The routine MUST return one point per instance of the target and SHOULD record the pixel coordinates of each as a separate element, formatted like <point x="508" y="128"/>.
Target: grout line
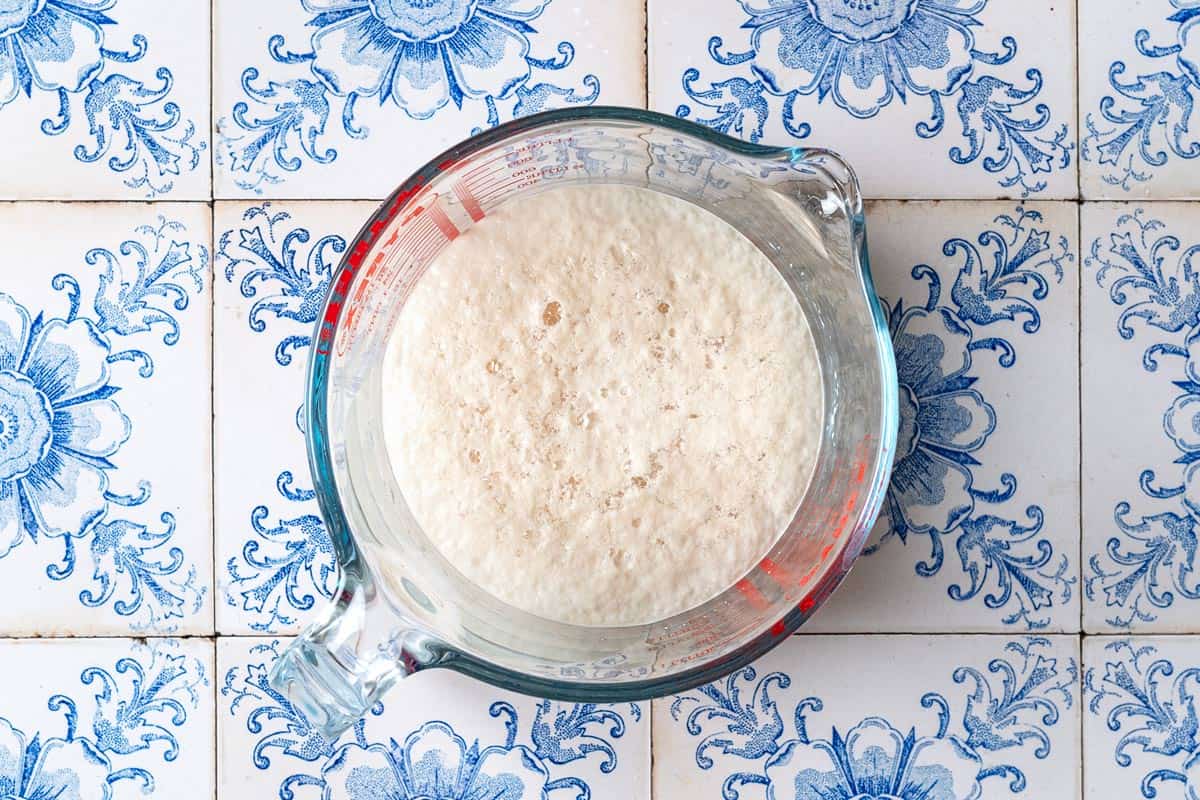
<point x="1082" y="715"/>
<point x="216" y="749"/>
<point x="1079" y="116"/>
<point x="650" y="726"/>
<point x="646" y="55"/>
<point x="212" y="406"/>
<point x="212" y="101"/>
<point x="1079" y="488"/>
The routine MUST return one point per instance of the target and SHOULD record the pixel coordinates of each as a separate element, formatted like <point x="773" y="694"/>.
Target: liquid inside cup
<point x="603" y="405"/>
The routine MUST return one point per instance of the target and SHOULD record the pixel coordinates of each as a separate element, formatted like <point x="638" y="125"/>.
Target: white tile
<point x="115" y="104"/>
<point x="980" y="530"/>
<point x="880" y="716"/>
<point x="106" y="517"/>
<point x="291" y="125"/>
<point x="102" y="718"/>
<point x="275" y="566"/>
<point x="1140" y="298"/>
<point x="438" y="734"/>
<point x="1139" y="90"/>
<point x="946" y="99"/>
<point x="1139" y="729"/>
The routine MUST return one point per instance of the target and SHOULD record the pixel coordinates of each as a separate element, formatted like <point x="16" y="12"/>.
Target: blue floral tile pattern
<point x="979" y="298"/>
<point x="1141" y="313"/>
<point x="338" y="81"/>
<point x="274" y="263"/>
<point x="1140" y="85"/>
<point x="486" y="744"/>
<point x="825" y="717"/>
<point x="1140" y="724"/>
<point x="1046" y="476"/>
<point x="106" y="96"/>
<point x="976" y="90"/>
<point x="106" y="718"/>
<point x="91" y="517"/>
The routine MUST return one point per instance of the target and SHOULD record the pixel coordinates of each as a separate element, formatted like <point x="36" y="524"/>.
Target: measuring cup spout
<point x="337" y="670"/>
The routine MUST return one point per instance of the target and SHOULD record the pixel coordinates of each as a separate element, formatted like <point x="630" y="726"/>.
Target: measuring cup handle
<point x="339" y="668"/>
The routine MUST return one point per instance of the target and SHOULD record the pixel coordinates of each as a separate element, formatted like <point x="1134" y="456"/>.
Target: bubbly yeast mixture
<point x="603" y="404"/>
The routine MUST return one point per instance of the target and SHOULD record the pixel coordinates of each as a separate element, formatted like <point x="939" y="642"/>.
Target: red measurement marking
<point x="751" y="593"/>
<point x="778" y="574"/>
<point x="806" y="605"/>
<point x="862" y="472"/>
<point x="445" y="225"/>
<point x="468" y="201"/>
<point x="778" y="629"/>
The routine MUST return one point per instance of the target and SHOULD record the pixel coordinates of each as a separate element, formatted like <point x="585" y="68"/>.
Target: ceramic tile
<point x="107" y="718"/>
<point x="1139" y="89"/>
<point x="831" y="716"/>
<point x="436" y="734"/>
<point x="1139" y="319"/>
<point x="275" y="565"/>
<point x="327" y="100"/>
<point x="971" y="98"/>
<point x="975" y="534"/>
<point x="1139" y="729"/>
<point x="104" y="100"/>
<point x="105" y="507"/>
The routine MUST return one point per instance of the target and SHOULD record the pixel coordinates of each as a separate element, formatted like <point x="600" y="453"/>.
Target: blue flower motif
<point x="942" y="421"/>
<point x="742" y="724"/>
<point x="945" y="420"/>
<point x="53" y="44"/>
<point x="1181" y="423"/>
<point x="874" y="762"/>
<point x="864" y="52"/>
<point x="433" y="761"/>
<point x="58" y="425"/>
<point x="38" y="769"/>
<point x="421" y="54"/>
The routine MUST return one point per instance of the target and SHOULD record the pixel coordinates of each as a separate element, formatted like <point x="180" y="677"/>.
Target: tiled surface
<point x="100" y="718"/>
<point x="321" y="127"/>
<point x="275" y="565"/>
<point x="1139" y="295"/>
<point x="938" y="717"/>
<point x="1138" y="726"/>
<point x="974" y="99"/>
<point x="105" y="100"/>
<point x="106" y="310"/>
<point x="982" y="300"/>
<point x="1043" y="484"/>
<point x="486" y="743"/>
<point x="1139" y="85"/>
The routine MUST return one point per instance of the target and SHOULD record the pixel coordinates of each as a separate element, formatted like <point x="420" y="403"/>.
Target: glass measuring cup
<point x="400" y="605"/>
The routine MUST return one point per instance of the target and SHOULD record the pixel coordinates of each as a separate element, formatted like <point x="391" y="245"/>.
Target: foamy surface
<point x="602" y="404"/>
